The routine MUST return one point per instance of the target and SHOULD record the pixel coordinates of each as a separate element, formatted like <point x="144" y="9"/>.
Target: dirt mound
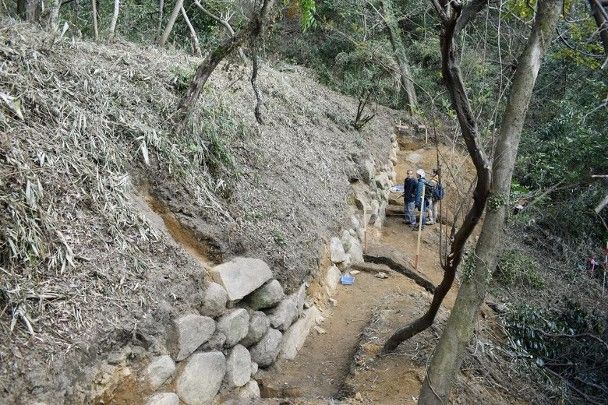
<point x="86" y="132"/>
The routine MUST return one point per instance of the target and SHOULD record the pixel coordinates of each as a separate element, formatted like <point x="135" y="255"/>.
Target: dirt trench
<point x="328" y="366"/>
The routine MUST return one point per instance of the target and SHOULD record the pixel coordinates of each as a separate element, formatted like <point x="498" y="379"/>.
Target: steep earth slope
<point x="109" y="217"/>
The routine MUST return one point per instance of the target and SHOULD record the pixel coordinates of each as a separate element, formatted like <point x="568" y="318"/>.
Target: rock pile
<point x="244" y="321"/>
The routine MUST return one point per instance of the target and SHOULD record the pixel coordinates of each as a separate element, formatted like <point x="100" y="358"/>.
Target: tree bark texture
<point x="169" y="27"/>
<point x="161" y="6"/>
<point x="408" y="90"/>
<point x="51" y="15"/>
<point x="28" y="10"/>
<point x="458" y="332"/>
<point x="114" y="18"/>
<point x="460" y="102"/>
<point x="94" y="12"/>
<point x="211" y="61"/>
<point x="601" y="20"/>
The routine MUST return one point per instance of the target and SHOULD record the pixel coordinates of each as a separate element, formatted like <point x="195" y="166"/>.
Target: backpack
<point x="438" y="192"/>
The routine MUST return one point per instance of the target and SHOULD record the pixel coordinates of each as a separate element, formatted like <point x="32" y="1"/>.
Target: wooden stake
<point x="364" y="232"/>
<point x="420" y="226"/>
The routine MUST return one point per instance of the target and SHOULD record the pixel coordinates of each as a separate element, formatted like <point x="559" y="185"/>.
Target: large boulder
<point x="214" y="299"/>
<point x="296" y="335"/>
<point x="332" y="278"/>
<point x="202" y="378"/>
<point x="265" y="352"/>
<point x="282" y="316"/>
<point x="241" y="276"/>
<point x="238" y="367"/>
<point x="352" y="246"/>
<point x="258" y="326"/>
<point x="234" y="326"/>
<point x="163" y="398"/>
<point x="267" y="296"/>
<point x="187" y="333"/>
<point x="366" y="168"/>
<point x="159" y="370"/>
<point x="336" y="249"/>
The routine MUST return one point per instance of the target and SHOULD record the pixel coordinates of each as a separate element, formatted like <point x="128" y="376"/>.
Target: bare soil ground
<point x="345" y="363"/>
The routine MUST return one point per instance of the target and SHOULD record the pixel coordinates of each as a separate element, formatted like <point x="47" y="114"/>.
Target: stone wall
<point x="243" y="320"/>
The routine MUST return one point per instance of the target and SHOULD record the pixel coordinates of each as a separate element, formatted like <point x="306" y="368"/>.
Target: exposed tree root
<point x="403" y="269"/>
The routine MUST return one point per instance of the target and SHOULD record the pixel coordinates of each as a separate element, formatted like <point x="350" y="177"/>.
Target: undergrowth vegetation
<point x="516" y="267"/>
<point x="568" y="341"/>
<point x="88" y="154"/>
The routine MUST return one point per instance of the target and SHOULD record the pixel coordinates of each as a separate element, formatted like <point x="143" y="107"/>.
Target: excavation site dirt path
<point x="330" y="363"/>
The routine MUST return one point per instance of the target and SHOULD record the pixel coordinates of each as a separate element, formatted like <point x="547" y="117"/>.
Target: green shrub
<point x="517" y="268"/>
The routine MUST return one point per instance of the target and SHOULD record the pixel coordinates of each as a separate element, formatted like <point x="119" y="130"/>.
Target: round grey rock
<point x="159" y="370"/>
<point x="234" y="325"/>
<point x="267" y="296"/>
<point x="258" y="326"/>
<point x="265" y="352"/>
<point x="238" y="367"/>
<point x="214" y="300"/>
<point x="188" y="333"/>
<point x="202" y="378"/>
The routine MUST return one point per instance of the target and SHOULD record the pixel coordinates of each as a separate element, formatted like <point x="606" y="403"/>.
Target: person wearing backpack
<point x="409" y="198"/>
<point x="437" y="193"/>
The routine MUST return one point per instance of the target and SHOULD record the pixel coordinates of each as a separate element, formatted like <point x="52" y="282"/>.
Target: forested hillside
<point x="146" y="144"/>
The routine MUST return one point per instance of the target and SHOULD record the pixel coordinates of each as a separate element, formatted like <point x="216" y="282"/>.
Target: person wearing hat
<point x="421" y="205"/>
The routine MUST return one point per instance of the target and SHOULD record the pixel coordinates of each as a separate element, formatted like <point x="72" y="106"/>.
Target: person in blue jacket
<point x="410" y="185"/>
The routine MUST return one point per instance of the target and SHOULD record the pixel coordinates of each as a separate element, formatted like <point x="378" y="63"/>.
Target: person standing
<point x="436" y="195"/>
<point x="409" y="198"/>
<point x="420" y="204"/>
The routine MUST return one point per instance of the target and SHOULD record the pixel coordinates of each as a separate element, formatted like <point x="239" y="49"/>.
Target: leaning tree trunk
<point x="470" y="133"/>
<point x="224" y="23"/>
<point x="408" y="91"/>
<point x="211" y="61"/>
<point x="193" y="35"/>
<point x="458" y="332"/>
<point x="114" y="18"/>
<point x="169" y="27"/>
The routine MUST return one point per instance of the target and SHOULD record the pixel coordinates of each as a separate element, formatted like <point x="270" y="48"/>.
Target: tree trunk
<point x="95" y="27"/>
<point x="211" y="61"/>
<point x="114" y="18"/>
<point x="161" y="6"/>
<point x="51" y="15"/>
<point x="601" y="20"/>
<point x="169" y="27"/>
<point x="32" y="10"/>
<point x="458" y="332"/>
<point x="22" y="9"/>
<point x="408" y="91"/>
<point x="193" y="34"/>
<point x="470" y="133"/>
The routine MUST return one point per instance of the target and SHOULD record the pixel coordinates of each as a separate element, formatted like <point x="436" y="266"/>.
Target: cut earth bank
<point x="130" y="218"/>
<point x="242" y="320"/>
